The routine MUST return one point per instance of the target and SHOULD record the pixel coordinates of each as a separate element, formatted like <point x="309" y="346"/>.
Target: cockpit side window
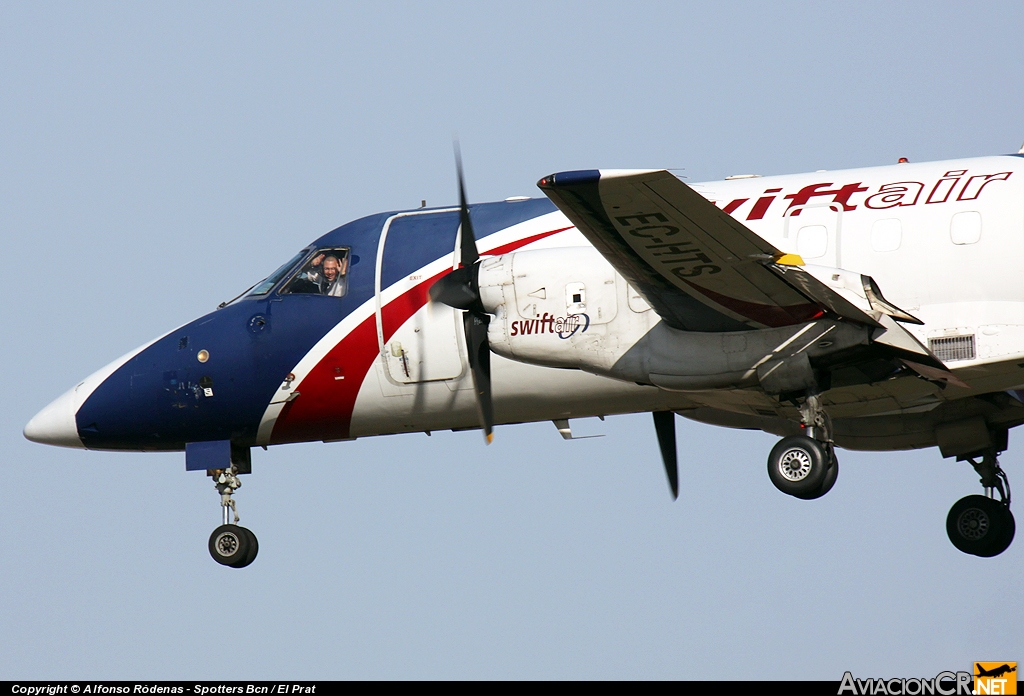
<point x="325" y="273"/>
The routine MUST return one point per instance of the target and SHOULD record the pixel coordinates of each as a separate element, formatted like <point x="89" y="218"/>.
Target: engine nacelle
<point x="568" y="308"/>
<point x="563" y="307"/>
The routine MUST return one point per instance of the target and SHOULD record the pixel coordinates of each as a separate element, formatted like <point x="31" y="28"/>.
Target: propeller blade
<point x="480" y="366"/>
<point x="468" y="254"/>
<point x="458" y="289"/>
<point x="665" y="427"/>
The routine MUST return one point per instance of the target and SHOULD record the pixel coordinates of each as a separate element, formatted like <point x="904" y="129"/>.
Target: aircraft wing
<point x="698" y="267"/>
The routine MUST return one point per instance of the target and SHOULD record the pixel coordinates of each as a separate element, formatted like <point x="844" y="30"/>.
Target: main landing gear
<point x="981" y="525"/>
<point x="805" y="466"/>
<point x="230" y="544"/>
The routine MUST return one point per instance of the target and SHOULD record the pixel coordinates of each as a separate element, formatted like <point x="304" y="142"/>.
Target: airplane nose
<point x="55" y="424"/>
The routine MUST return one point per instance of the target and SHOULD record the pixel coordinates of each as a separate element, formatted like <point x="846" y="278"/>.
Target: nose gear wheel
<point x="230" y="544"/>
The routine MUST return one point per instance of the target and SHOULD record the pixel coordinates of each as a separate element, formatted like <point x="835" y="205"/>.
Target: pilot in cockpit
<point x="325" y="275"/>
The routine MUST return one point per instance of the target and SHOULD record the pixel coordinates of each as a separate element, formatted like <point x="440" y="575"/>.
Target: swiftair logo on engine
<point x="563" y="327"/>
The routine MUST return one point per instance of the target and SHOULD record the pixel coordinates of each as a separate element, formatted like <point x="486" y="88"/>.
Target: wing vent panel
<point x="951" y="348"/>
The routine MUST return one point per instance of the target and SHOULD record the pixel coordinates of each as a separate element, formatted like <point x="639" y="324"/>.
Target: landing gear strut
<point x="805" y="466"/>
<point x="981" y="525"/>
<point x="230" y="544"/>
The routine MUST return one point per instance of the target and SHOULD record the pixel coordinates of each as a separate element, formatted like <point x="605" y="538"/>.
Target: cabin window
<point x="812" y="241"/>
<point x="965" y="227"/>
<point x="886" y="235"/>
<point x="324" y="273"/>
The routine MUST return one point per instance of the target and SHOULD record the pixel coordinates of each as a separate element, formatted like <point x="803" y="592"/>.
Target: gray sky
<point x="157" y="159"/>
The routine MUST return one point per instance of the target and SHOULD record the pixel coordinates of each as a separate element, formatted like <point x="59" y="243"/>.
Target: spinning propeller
<point x="665" y="427"/>
<point x="460" y="289"/>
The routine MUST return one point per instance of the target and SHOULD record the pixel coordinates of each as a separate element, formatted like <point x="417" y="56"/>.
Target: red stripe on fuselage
<point x="323" y="409"/>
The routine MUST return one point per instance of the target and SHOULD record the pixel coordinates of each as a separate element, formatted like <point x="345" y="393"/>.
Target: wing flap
<point x="822" y="295"/>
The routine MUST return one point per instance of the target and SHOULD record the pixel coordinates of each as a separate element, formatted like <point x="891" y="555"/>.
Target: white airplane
<point x="753" y="302"/>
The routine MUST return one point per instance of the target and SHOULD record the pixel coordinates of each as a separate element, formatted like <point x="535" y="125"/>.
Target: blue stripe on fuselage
<point x="413" y="242"/>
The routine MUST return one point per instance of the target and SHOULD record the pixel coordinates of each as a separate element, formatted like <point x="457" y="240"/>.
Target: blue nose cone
<point x="57" y="424"/>
<point x="211" y="379"/>
<point x="196" y="383"/>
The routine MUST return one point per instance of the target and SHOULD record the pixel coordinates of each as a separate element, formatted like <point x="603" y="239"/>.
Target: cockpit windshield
<point x="324" y="272"/>
<point x="274" y="278"/>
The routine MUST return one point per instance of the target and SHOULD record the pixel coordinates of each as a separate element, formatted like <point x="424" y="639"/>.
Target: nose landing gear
<point x="233" y="546"/>
<point x="981" y="525"/>
<point x="230" y="544"/>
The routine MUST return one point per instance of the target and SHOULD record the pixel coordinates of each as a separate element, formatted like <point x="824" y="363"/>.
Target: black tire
<point x="797" y="465"/>
<point x="254" y="548"/>
<point x="1005" y="528"/>
<point x="980" y="526"/>
<point x="831" y="474"/>
<point x="229" y="544"/>
<point x="1009" y="529"/>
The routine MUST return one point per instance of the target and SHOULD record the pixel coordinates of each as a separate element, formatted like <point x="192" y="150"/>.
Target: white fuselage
<point x="943" y="241"/>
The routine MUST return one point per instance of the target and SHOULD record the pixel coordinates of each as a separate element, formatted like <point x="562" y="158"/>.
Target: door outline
<point x="378" y="314"/>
